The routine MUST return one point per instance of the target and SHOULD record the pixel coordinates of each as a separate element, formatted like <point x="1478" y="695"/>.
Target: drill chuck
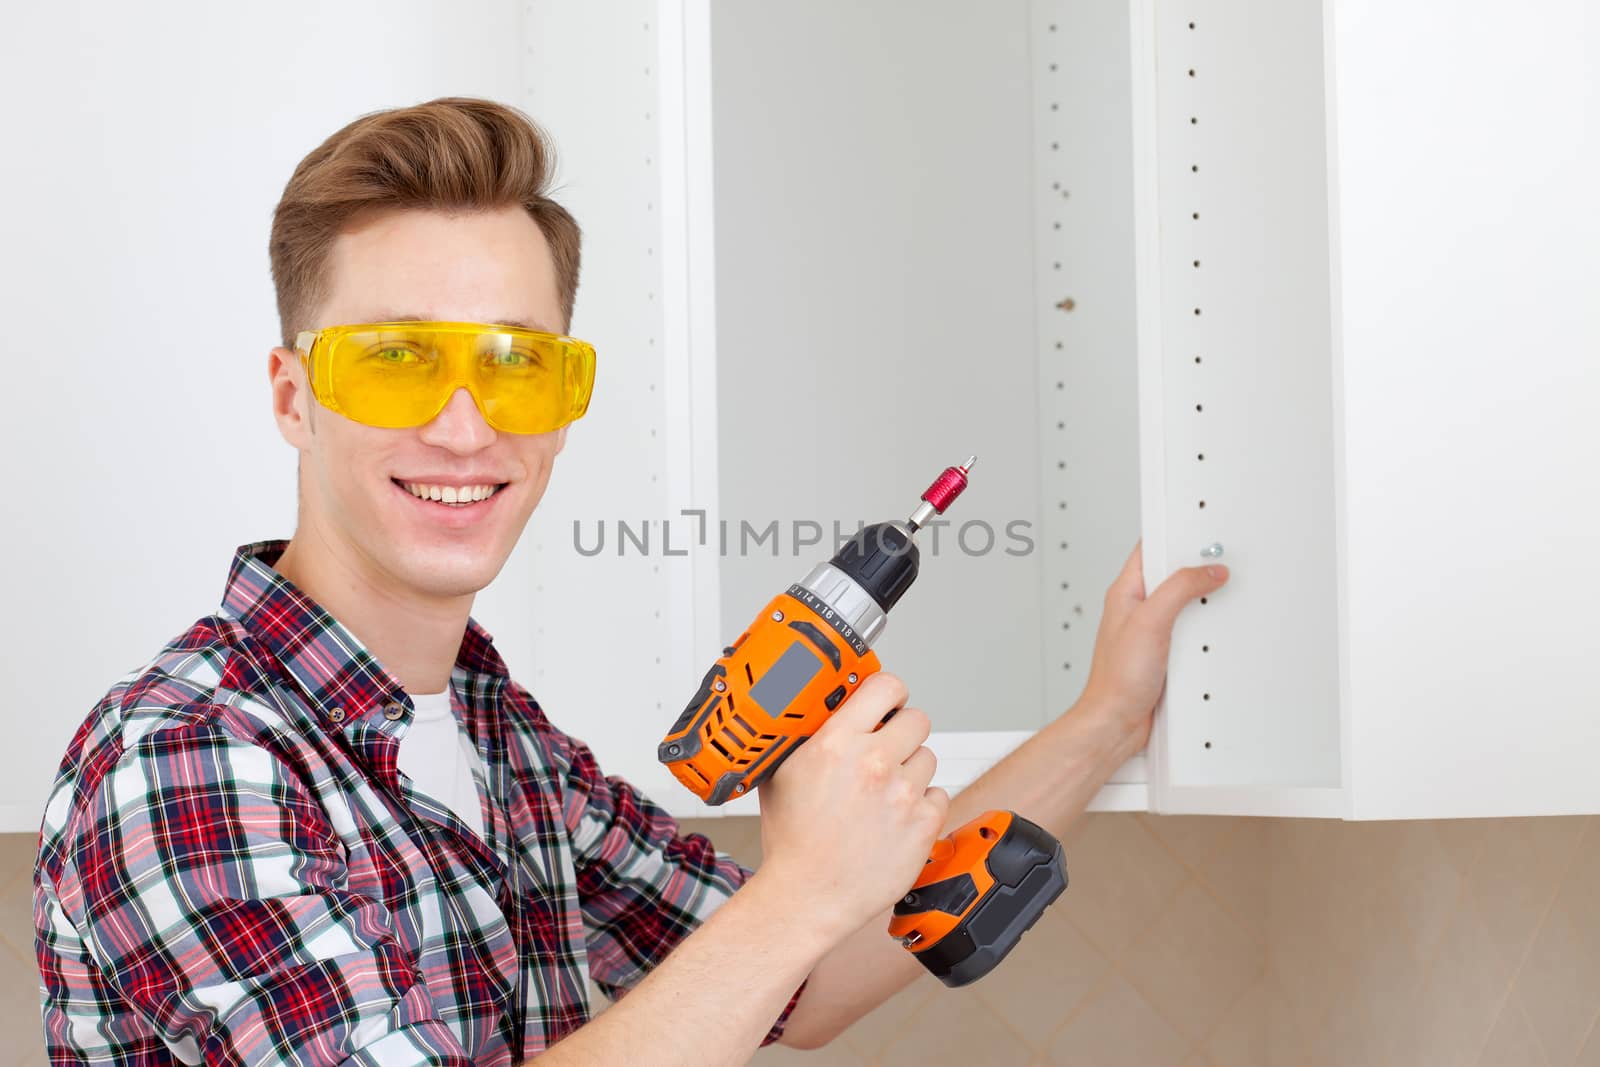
<point x="882" y="559"/>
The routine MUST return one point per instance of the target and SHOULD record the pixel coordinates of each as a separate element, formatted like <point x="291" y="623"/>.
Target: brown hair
<point x="451" y="154"/>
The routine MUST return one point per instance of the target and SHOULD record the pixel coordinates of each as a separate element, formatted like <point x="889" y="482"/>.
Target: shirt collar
<point x="333" y="668"/>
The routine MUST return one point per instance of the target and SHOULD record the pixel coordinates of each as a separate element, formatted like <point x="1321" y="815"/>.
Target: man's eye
<point x="513" y="358"/>
<point x="394" y="356"/>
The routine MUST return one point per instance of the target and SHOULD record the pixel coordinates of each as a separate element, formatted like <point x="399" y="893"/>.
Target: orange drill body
<point x="770" y="690"/>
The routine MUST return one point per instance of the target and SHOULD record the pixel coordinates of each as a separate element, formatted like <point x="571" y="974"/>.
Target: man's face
<point x="479" y="267"/>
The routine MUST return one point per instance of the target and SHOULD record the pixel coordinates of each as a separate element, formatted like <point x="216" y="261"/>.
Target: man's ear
<point x="292" y="402"/>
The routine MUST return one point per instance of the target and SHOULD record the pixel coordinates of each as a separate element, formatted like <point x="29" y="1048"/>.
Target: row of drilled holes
<point x="650" y="296"/>
<point x="1194" y="168"/>
<point x="1064" y="305"/>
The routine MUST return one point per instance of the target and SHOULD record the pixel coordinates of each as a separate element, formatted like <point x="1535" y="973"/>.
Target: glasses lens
<point x="521" y="381"/>
<point x="387" y="377"/>
<point x="524" y="382"/>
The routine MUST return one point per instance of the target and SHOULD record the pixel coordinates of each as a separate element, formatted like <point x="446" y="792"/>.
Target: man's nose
<point x="459" y="426"/>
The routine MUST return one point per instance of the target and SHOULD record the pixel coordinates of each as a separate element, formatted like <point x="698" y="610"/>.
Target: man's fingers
<point x="920" y="767"/>
<point x="1179" y="588"/>
<point x="878" y="694"/>
<point x="903" y="733"/>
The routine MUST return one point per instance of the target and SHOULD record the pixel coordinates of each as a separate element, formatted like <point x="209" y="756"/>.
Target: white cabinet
<point x="831" y="248"/>
<point x="1311" y="282"/>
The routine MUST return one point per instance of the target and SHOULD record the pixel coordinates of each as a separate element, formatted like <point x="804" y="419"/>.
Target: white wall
<point x="146" y="145"/>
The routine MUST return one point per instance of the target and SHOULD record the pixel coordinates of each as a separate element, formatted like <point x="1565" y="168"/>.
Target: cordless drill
<point x="985" y="883"/>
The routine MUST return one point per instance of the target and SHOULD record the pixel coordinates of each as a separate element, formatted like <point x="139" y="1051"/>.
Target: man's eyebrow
<point x="519" y="323"/>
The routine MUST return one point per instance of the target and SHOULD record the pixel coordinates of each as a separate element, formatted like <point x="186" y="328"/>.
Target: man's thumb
<point x="1181" y="587"/>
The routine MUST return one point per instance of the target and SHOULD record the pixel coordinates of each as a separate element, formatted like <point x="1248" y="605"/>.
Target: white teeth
<point x="449" y="494"/>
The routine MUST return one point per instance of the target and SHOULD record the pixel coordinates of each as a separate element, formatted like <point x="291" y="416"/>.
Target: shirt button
<point x="336" y="714"/>
<point x="393" y="711"/>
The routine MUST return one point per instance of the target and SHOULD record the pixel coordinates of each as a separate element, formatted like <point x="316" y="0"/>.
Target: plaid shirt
<point x="232" y="870"/>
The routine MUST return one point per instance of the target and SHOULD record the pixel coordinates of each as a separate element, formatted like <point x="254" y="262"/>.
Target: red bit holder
<point x="949" y="485"/>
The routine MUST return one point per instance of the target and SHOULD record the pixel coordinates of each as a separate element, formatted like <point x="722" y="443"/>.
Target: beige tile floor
<point x="1215" y="942"/>
<point x="1212" y="942"/>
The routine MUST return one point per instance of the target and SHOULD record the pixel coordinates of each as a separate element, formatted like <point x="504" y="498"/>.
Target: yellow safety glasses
<point x="399" y="374"/>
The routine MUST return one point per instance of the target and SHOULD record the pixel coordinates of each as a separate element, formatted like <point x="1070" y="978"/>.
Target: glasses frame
<point x="307" y="341"/>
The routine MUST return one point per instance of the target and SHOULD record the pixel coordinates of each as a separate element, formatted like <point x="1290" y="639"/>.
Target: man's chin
<point x="451" y="572"/>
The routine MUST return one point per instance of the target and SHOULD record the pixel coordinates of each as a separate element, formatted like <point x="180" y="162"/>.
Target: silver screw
<point x="852" y="679"/>
<point x="777" y="616"/>
<point x="1212" y="551"/>
<point x="721" y="685"/>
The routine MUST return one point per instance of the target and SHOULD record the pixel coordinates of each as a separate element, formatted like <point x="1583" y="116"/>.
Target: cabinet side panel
<point x="1087" y="342"/>
<point x="1252" y="697"/>
<point x="603" y="665"/>
<point x="1468" y="239"/>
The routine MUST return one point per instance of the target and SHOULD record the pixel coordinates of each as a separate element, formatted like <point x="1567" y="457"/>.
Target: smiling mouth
<point x="451" y="496"/>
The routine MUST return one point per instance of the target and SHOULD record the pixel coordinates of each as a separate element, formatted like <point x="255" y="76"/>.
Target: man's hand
<point x="1129" y="670"/>
<point x="848" y="821"/>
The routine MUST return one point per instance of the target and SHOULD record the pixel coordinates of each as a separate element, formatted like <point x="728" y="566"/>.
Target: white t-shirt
<point x="440" y="758"/>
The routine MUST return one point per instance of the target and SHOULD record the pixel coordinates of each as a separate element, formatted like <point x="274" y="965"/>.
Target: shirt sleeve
<point x="205" y="885"/>
<point x="643" y="885"/>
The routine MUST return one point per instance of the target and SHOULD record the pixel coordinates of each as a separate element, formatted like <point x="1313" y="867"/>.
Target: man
<point x="324" y="826"/>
